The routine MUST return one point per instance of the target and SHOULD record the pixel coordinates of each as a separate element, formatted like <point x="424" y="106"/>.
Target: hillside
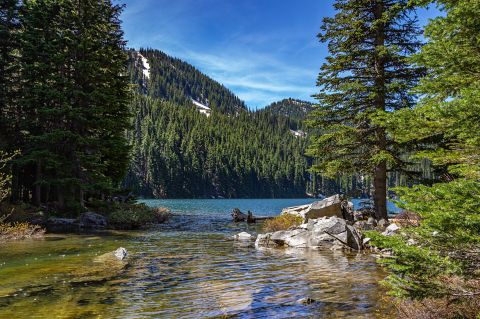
<point x="180" y="153"/>
<point x="160" y="76"/>
<point x="294" y="111"/>
<point x="186" y="143"/>
<point x="292" y="108"/>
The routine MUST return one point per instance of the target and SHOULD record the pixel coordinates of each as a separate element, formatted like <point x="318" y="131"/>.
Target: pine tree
<point x="74" y="100"/>
<point x="448" y="236"/>
<point x="366" y="75"/>
<point x="9" y="72"/>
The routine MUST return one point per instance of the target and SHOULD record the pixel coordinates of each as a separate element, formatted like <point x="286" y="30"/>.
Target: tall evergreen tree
<point x="448" y="237"/>
<point x="74" y="100"/>
<point x="366" y="75"/>
<point x="9" y="73"/>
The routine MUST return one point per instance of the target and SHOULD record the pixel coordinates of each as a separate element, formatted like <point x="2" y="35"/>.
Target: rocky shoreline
<point x="328" y="224"/>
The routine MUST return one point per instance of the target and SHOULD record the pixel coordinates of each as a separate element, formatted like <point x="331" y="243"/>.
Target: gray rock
<point x="92" y="220"/>
<point x="121" y="253"/>
<point x="354" y="238"/>
<point x="55" y="221"/>
<point x="331" y="206"/>
<point x="322" y="240"/>
<point x="382" y="223"/>
<point x="323" y="232"/>
<point x="392" y="229"/>
<point x="332" y="225"/>
<point x="363" y="225"/>
<point x="263" y="240"/>
<point x="243" y="236"/>
<point x="297" y="238"/>
<point x="338" y="227"/>
<point x="372" y="221"/>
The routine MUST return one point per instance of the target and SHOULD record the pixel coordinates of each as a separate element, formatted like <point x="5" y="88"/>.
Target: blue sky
<point x="262" y="50"/>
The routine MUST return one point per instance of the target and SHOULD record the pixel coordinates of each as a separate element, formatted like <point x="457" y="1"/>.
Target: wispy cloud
<point x="256" y="78"/>
<point x="260" y="65"/>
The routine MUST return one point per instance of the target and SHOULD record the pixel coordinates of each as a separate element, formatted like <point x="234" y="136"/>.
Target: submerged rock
<point x="306" y="301"/>
<point x="92" y="220"/>
<point x="104" y="267"/>
<point x="242" y="236"/>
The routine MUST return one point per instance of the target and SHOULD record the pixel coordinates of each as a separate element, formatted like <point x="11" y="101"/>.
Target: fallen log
<point x="238" y="216"/>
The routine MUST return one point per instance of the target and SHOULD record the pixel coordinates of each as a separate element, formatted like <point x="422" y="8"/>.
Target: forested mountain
<point x="233" y="152"/>
<point x="161" y="76"/>
<point x="295" y="110"/>
<point x="179" y="152"/>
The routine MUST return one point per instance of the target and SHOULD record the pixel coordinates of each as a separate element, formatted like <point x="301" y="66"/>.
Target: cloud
<point x="256" y="78"/>
<point x="259" y="65"/>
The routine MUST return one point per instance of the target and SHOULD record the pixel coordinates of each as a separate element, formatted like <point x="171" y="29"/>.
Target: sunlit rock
<point x="243" y="236"/>
<point x="322" y="232"/>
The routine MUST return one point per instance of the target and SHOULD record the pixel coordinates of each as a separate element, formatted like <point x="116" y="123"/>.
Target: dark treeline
<point x="179" y="152"/>
<point x="64" y="99"/>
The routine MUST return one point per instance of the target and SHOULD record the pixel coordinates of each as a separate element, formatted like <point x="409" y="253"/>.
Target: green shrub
<point x="282" y="222"/>
<point x="134" y="216"/>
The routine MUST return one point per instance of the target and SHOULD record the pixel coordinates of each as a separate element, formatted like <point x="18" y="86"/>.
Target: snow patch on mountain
<point x="145" y="66"/>
<point x="202" y="108"/>
<point x="298" y="133"/>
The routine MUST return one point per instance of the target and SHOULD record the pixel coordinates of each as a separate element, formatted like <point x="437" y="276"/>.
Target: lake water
<point x="189" y="268"/>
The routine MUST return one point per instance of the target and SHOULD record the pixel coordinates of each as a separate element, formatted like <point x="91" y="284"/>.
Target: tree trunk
<point x="380" y="191"/>
<point x="60" y="198"/>
<point x="82" y="197"/>
<point x="37" y="196"/>
<point x="380" y="171"/>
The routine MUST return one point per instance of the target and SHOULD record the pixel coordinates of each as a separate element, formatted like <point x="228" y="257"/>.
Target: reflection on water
<point x="187" y="269"/>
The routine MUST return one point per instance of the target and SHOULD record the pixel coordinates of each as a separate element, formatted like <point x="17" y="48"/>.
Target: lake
<point x="189" y="268"/>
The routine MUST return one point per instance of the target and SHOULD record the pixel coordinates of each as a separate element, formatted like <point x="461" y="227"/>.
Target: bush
<point x="134" y="216"/>
<point x="282" y="222"/>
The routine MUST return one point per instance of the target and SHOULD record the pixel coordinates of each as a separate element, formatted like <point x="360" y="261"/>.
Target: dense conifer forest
<point x="234" y="152"/>
<point x="64" y="100"/>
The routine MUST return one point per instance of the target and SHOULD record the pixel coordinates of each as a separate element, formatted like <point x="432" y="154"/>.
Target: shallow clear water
<point x="188" y="268"/>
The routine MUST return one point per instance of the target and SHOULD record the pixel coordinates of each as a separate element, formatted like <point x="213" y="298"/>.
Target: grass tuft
<point x="282" y="222"/>
<point x="19" y="230"/>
